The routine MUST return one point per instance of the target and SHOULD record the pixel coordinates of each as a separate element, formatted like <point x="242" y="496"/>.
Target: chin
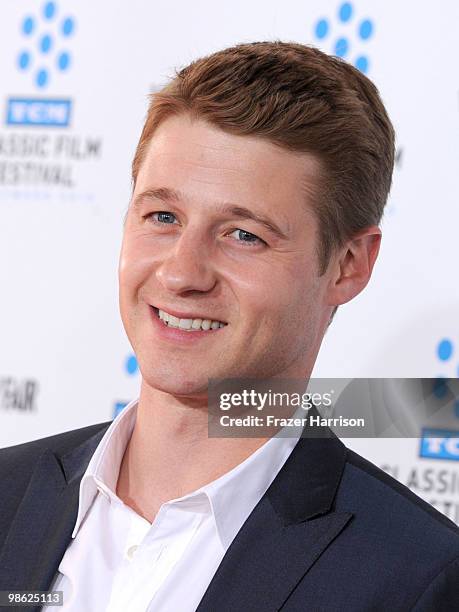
<point x="177" y="386"/>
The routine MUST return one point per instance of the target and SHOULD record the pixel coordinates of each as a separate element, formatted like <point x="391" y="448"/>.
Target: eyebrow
<point x="167" y="195"/>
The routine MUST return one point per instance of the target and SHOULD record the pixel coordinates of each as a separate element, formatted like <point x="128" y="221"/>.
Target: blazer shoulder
<point x="18" y="464"/>
<point x="28" y="452"/>
<point x="386" y="496"/>
<point x="401" y="538"/>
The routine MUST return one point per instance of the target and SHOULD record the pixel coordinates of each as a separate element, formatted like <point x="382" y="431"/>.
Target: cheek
<point x="298" y="304"/>
<point x="288" y="292"/>
<point x="271" y="306"/>
<point x="135" y="265"/>
<point x="267" y="285"/>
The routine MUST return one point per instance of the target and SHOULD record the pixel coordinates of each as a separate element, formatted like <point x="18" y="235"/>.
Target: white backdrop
<point x="65" y="361"/>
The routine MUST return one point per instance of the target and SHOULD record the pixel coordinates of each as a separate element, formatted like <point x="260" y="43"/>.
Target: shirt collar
<point x="104" y="466"/>
<point x="232" y="497"/>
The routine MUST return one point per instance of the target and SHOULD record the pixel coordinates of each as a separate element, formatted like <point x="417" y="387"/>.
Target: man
<point x="260" y="179"/>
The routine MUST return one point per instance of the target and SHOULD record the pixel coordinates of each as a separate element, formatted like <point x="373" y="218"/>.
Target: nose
<point x="188" y="266"/>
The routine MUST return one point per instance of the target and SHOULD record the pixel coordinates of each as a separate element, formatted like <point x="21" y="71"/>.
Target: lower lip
<point x="180" y="335"/>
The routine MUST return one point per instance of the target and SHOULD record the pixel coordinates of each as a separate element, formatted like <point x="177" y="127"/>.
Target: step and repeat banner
<point x="74" y="80"/>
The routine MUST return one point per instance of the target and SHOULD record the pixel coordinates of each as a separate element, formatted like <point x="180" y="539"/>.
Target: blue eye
<point x="247" y="237"/>
<point x="163" y="217"/>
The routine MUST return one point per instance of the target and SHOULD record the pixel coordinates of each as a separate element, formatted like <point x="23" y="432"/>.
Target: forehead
<point x="209" y="166"/>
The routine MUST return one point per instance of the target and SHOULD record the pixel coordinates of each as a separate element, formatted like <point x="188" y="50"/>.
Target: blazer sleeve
<point x="442" y="594"/>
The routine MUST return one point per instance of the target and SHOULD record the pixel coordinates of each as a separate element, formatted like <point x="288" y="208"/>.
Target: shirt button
<point x="131" y="551"/>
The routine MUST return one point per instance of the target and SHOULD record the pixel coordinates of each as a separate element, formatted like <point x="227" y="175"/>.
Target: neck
<point x="170" y="454"/>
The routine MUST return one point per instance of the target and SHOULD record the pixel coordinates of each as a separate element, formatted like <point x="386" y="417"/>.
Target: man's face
<point x="187" y="250"/>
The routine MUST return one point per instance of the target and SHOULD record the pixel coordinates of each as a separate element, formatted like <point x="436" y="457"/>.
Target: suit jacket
<point x="332" y="533"/>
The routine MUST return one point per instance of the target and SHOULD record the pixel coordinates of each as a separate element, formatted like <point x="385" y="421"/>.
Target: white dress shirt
<point x="118" y="561"/>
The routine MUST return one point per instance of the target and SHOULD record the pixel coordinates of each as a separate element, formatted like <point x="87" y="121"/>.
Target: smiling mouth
<point x="190" y="325"/>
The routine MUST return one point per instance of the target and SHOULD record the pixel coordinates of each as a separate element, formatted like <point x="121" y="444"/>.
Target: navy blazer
<point x="332" y="533"/>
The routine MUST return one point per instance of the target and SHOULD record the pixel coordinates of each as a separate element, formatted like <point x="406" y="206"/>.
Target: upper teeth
<point x="189" y="324"/>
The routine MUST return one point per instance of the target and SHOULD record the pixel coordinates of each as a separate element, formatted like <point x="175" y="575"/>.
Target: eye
<point x="163" y="218"/>
<point x="247" y="237"/>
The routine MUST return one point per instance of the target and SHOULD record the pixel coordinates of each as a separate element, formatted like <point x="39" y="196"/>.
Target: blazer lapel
<point x="284" y="535"/>
<point x="43" y="524"/>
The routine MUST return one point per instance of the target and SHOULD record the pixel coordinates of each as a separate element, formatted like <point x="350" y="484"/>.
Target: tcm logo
<point x="346" y="35"/>
<point x="38" y="112"/>
<point x="43" y="54"/>
<point x="439" y="444"/>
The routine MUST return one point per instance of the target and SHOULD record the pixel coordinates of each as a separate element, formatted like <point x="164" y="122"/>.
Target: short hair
<point x="302" y="100"/>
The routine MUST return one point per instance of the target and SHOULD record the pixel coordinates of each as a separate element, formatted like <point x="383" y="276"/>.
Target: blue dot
<point x="42" y="78"/>
<point x="131" y="365"/>
<point x="362" y="63"/>
<point x="28" y="25"/>
<point x="345" y="12"/>
<point x="49" y="10"/>
<point x="63" y="61"/>
<point x="24" y="60"/>
<point x="444" y="349"/>
<point x="119" y="406"/>
<point x="46" y="43"/>
<point x="366" y="29"/>
<point x="341" y="47"/>
<point x="322" y="28"/>
<point x="68" y="25"/>
<point x="440" y="387"/>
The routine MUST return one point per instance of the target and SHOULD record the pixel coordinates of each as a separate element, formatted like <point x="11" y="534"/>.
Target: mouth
<point x="189" y="323"/>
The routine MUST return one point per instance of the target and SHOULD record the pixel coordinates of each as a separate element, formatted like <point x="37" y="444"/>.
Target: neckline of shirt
<point x="231" y="497"/>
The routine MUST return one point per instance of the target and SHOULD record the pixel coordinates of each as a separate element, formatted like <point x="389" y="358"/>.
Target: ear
<point x="352" y="266"/>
